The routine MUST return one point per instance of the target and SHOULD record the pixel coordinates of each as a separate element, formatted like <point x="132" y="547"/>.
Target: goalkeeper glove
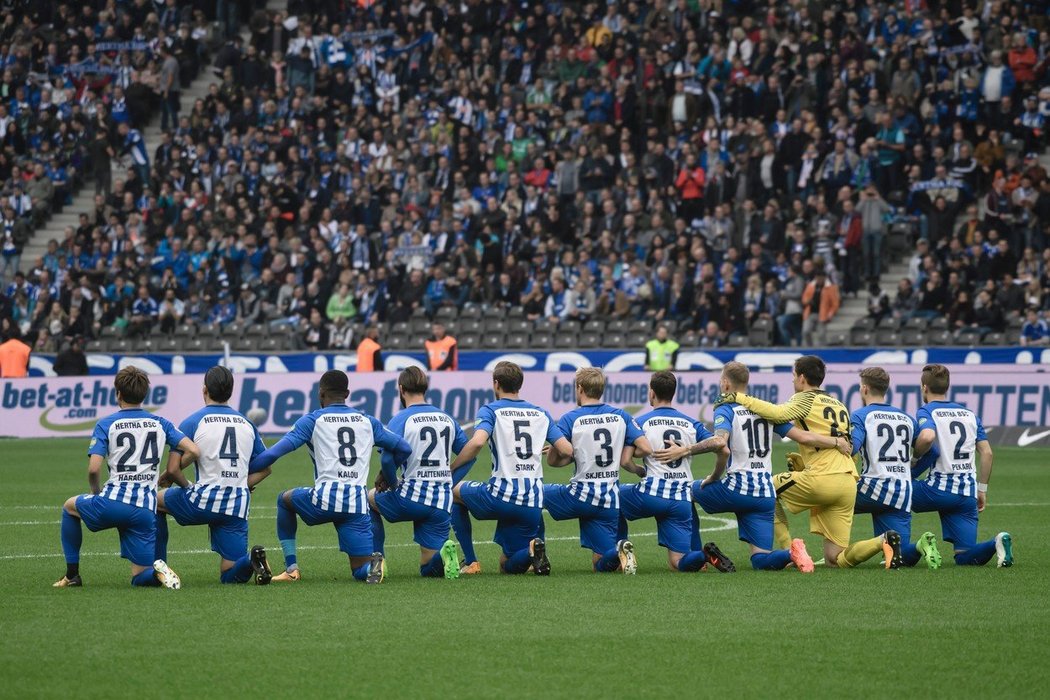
<point x="728" y="397"/>
<point x="795" y="463"/>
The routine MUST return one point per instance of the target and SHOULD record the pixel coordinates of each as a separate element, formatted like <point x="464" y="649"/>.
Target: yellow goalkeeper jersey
<point x="815" y="411"/>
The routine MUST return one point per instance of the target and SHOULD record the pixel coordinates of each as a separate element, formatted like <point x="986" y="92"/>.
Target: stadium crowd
<point x="711" y="164"/>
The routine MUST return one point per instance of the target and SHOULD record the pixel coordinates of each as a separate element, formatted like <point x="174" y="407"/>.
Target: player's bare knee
<point x="372" y="499"/>
<point x="456" y="497"/>
<point x="672" y="560"/>
<point x="286" y="498"/>
<point x="70" y="506"/>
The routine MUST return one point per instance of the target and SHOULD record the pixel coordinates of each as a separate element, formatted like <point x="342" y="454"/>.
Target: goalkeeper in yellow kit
<point x="825" y="483"/>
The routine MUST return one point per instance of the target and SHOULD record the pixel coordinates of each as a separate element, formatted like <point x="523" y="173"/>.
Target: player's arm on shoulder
<point x="472" y="449"/>
<point x="798" y="406"/>
<point x="721" y="459"/>
<point x="628" y="464"/>
<point x="293" y="440"/>
<point x="258" y="447"/>
<point x="808" y="438"/>
<point x="925" y="438"/>
<point x="560" y="452"/>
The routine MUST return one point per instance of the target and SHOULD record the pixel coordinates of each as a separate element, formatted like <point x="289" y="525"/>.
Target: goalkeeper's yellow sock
<point x="859" y="552"/>
<point x="781" y="532"/>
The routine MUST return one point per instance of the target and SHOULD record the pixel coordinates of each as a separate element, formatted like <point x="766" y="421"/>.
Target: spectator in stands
<point x="820" y="303"/>
<point x="441" y="349"/>
<point x="661" y="353"/>
<point x="315" y="335"/>
<point x="72" y="362"/>
<point x="557" y="307"/>
<point x="370" y="352"/>
<point x="878" y="303"/>
<point x="873" y="210"/>
<point x="14" y="354"/>
<point x="789" y="322"/>
<point x="1035" y="330"/>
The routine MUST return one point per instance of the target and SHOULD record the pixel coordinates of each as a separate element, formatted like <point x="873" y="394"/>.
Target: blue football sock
<point x="695" y="543"/>
<point x="977" y="555"/>
<point x="147" y="578"/>
<point x="610" y="561"/>
<point x="519" y="562"/>
<point x="361" y="572"/>
<point x="240" y="572"/>
<point x="160" y="548"/>
<point x="435" y="568"/>
<point x="693" y="561"/>
<point x="621" y="528"/>
<point x="771" y="561"/>
<point x="461" y="473"/>
<point x="378" y="532"/>
<point x="910" y="554"/>
<point x="464" y="532"/>
<point x="72" y="538"/>
<point x="286" y="527"/>
<point x="542" y="532"/>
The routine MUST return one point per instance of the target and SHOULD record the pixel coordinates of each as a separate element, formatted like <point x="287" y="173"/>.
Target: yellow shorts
<point x="829" y="498"/>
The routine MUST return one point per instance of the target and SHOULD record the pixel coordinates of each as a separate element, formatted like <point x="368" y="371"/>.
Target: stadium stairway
<point x="84" y="199"/>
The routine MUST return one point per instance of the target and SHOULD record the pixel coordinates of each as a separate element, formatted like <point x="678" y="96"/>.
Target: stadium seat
<point x="515" y="312"/>
<point x="420" y="326"/>
<point x="737" y="340"/>
<point x="519" y="325"/>
<point x="940" y="323"/>
<point x="859" y="338"/>
<point x="917" y="323"/>
<point x="864" y="324"/>
<point x="545" y="325"/>
<point x="637" y="340"/>
<point x="517" y="341"/>
<point x="836" y="340"/>
<point x="541" y="339"/>
<point x="493" y="312"/>
<point x="272" y="344"/>
<point x="396" y="342"/>
<point x="889" y="323"/>
<point x="470" y="312"/>
<point x="244" y="345"/>
<point x="111" y="332"/>
<point x="887" y="337"/>
<point x="169" y="345"/>
<point x="939" y="338"/>
<point x="913" y="337"/>
<point x="446" y="314"/>
<point x="233" y="329"/>
<point x="613" y="340"/>
<point x="566" y="340"/>
<point x="1013" y="336"/>
<point x="689" y="339"/>
<point x="468" y="341"/>
<point x="993" y="339"/>
<point x="595" y="325"/>
<point x="496" y="325"/>
<point x="419" y="312"/>
<point x="493" y="341"/>
<point x="257" y="330"/>
<point x="472" y="326"/>
<point x="157" y="332"/>
<point x="589" y="341"/>
<point x="94" y="346"/>
<point x="145" y="345"/>
<point x="641" y="325"/>
<point x="617" y="325"/>
<point x="761" y="333"/>
<point x="400" y="328"/>
<point x="185" y="330"/>
<point x="967" y="337"/>
<point x="196" y="344"/>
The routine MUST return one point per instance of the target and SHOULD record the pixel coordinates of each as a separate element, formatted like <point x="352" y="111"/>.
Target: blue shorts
<point x="597" y="525"/>
<point x="354" y="529"/>
<point x="516" y="525"/>
<point x="884" y="517"/>
<point x="754" y="514"/>
<point x="137" y="526"/>
<point x="674" y="519"/>
<point x="429" y="524"/>
<point x="229" y="534"/>
<point x="958" y="513"/>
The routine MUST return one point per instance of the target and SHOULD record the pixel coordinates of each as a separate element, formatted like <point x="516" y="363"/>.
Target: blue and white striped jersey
<point x="750" y="441"/>
<point x="340" y="440"/>
<point x="958" y="430"/>
<point x="884" y="435"/>
<point x="132" y="441"/>
<point x="672" y="481"/>
<point x="228" y="443"/>
<point x="433" y="436"/>
<point x="598" y="434"/>
<point x="517" y="430"/>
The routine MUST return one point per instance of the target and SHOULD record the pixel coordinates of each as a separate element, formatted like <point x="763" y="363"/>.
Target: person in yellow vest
<point x="441" y="349"/>
<point x="370" y="352"/>
<point x="661" y="352"/>
<point x="14" y="355"/>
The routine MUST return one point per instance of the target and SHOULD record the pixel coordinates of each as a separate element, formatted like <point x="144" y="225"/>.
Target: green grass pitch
<point x="960" y="632"/>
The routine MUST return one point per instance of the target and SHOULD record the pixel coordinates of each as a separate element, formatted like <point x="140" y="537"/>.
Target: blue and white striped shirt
<point x="951" y="459"/>
<point x="228" y="443"/>
<point x="750" y="441"/>
<point x="884" y="435"/>
<point x="433" y="436"/>
<point x="517" y="430"/>
<point x="132" y="441"/>
<point x="673" y="480"/>
<point x="598" y="434"/>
